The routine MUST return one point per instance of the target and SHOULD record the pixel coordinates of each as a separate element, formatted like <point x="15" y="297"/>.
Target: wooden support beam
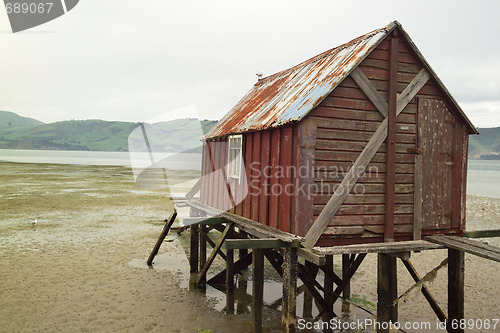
<point x="390" y="174"/>
<point x="353" y="267"/>
<point x="212" y="256"/>
<point x="328" y="292"/>
<point x="275" y="259"/>
<point x="239" y="266"/>
<point x="257" y="289"/>
<point x="346" y="292"/>
<point x="290" y="273"/>
<point x="230" y="281"/>
<point x="258" y="243"/>
<point x="456" y="268"/>
<point x="169" y="221"/>
<point x="412" y="89"/>
<point x="202" y="231"/>
<point x="204" y="220"/>
<point x="379" y="247"/>
<point x="387" y="290"/>
<point x="313" y="286"/>
<point x="195" y="189"/>
<point x="194" y="249"/>
<point x="425" y="291"/>
<point x="482" y="233"/>
<point x="204" y="236"/>
<point x="307" y="254"/>
<point x="370" y="91"/>
<point x="468" y="245"/>
<point x="418" y="195"/>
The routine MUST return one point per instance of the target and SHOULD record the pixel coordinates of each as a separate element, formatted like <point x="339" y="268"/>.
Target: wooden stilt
<point x="203" y="253"/>
<point x="194" y="249"/>
<point x="230" y="281"/>
<point x="240" y="265"/>
<point x="308" y="298"/>
<point x="387" y="290"/>
<point x="329" y="283"/>
<point x="290" y="273"/>
<point x="346" y="292"/>
<point x="210" y="260"/>
<point x="456" y="268"/>
<point x="169" y="221"/>
<point x="257" y="289"/>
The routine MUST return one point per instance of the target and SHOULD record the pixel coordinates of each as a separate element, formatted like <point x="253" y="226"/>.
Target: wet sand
<point x="81" y="268"/>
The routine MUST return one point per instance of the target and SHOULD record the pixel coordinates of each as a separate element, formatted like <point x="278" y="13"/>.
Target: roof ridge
<point x="325" y="54"/>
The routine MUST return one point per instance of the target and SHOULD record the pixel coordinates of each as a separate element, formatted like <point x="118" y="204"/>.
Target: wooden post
<point x="203" y="252"/>
<point x="230" y="281"/>
<point x="387" y="290"/>
<point x="346" y="293"/>
<point x="456" y="268"/>
<point x="391" y="141"/>
<point x="194" y="249"/>
<point x="328" y="294"/>
<point x="290" y="273"/>
<point x="169" y="221"/>
<point x="257" y="289"/>
<point x="308" y="298"/>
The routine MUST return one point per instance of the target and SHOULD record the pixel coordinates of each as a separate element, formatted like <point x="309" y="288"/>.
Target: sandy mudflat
<point x="81" y="269"/>
<point x="72" y="272"/>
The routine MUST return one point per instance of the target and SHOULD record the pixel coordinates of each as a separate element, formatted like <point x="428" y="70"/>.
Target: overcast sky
<point x="135" y="60"/>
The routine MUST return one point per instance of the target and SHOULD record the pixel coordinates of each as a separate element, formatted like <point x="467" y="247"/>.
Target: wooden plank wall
<point x="270" y="159"/>
<point x="346" y="120"/>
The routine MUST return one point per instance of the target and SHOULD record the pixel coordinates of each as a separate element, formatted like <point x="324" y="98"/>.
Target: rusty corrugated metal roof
<point x="288" y="96"/>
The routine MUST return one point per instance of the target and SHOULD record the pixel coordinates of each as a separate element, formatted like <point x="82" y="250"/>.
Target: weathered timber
<point x="230" y="281"/>
<point x="418" y="195"/>
<point x="169" y="221"/>
<point x="313" y="286"/>
<point x="387" y="290"/>
<point x="239" y="266"/>
<point x="195" y="189"/>
<point x="456" y="299"/>
<point x="378" y="248"/>
<point x="212" y="256"/>
<point x="353" y="267"/>
<point x="346" y="292"/>
<point x="275" y="259"/>
<point x="258" y="243"/>
<point x="251" y="227"/>
<point x="289" y="307"/>
<point x="310" y="256"/>
<point x="257" y="289"/>
<point x="390" y="182"/>
<point x="370" y="91"/>
<point x="482" y="233"/>
<point x="329" y="284"/>
<point x="425" y="291"/>
<point x="194" y="249"/>
<point x="203" y="235"/>
<point x="467" y="245"/>
<point x="187" y="221"/>
<point x="360" y="164"/>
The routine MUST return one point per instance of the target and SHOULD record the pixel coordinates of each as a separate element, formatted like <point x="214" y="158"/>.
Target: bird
<point x="35" y="221"/>
<point x="260" y="74"/>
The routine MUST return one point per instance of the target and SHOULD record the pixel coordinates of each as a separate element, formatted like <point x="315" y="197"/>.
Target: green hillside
<point x="13" y="120"/>
<point x="486" y="143"/>
<point x="100" y="135"/>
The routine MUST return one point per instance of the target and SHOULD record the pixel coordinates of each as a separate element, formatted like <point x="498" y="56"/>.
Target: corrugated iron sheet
<point x="288" y="96"/>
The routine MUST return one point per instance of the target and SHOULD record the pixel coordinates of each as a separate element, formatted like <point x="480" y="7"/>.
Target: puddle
<point x="173" y="259"/>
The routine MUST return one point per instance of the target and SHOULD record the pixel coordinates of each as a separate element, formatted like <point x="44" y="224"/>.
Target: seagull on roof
<point x="260" y="74"/>
<point x="35" y="221"/>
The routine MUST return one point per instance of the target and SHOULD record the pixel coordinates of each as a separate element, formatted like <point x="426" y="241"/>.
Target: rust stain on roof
<point x="289" y="95"/>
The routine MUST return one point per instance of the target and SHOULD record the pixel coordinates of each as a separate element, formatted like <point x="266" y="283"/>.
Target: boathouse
<point x="358" y="150"/>
<point x="360" y="144"/>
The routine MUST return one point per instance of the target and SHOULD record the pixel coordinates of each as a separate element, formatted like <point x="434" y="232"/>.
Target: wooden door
<point x="435" y="140"/>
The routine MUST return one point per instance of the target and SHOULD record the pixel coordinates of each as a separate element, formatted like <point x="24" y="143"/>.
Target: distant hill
<point x="13" y="120"/>
<point x="486" y="145"/>
<point x="96" y="135"/>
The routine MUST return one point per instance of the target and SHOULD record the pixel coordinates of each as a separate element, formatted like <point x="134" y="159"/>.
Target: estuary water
<point x="483" y="177"/>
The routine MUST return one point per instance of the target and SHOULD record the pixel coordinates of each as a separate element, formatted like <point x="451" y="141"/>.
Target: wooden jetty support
<point x="256" y="243"/>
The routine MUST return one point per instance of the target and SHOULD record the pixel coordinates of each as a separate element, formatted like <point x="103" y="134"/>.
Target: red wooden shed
<point x="362" y="143"/>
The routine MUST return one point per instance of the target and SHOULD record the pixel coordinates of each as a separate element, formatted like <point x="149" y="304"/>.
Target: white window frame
<point x="234" y="157"/>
